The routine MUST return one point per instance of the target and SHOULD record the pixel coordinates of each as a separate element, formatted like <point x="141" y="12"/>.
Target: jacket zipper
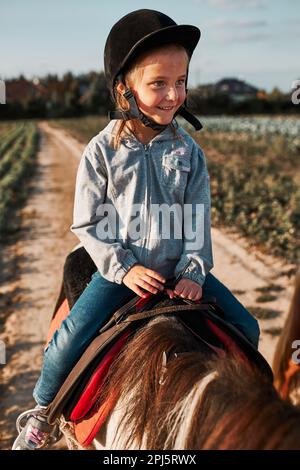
<point x="147" y="148"/>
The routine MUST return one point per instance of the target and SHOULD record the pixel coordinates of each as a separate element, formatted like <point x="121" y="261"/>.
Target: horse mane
<point x="195" y="399"/>
<point x="290" y="332"/>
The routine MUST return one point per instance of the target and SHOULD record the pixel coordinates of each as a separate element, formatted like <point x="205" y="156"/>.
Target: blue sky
<point x="255" y="40"/>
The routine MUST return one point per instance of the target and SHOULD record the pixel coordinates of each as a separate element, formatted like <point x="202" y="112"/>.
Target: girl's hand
<point x="186" y="289"/>
<point x="140" y="276"/>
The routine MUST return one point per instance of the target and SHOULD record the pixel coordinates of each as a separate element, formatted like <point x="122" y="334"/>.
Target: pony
<point x="175" y="392"/>
<point x="286" y="369"/>
<point x="168" y="388"/>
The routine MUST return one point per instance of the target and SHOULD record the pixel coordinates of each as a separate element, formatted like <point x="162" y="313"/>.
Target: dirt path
<point x="243" y="270"/>
<point x="32" y="269"/>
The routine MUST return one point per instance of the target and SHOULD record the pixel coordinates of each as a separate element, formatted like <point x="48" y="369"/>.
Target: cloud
<point x="229" y="36"/>
<point x="238" y="23"/>
<point x="230" y="30"/>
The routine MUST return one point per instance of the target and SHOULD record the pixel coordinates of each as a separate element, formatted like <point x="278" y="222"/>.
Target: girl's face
<point x="158" y="84"/>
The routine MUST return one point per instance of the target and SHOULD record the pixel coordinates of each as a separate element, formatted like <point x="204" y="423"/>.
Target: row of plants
<point x="7" y="139"/>
<point x="7" y="127"/>
<point x="263" y="137"/>
<point x="82" y="129"/>
<point x="17" y="164"/>
<point x="261" y="203"/>
<point x="258" y="125"/>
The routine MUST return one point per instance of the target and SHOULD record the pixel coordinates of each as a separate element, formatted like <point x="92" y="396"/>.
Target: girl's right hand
<point x="141" y="277"/>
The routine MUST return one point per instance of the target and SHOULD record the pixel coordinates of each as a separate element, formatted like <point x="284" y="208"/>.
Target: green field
<point x="83" y="129"/>
<point x="18" y="148"/>
<point x="255" y="180"/>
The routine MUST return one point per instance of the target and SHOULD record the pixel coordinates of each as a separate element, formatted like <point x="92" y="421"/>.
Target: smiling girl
<point x="142" y="158"/>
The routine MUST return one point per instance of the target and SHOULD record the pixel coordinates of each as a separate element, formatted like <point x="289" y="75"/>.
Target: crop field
<point x="83" y="129"/>
<point x="254" y="164"/>
<point x="18" y="146"/>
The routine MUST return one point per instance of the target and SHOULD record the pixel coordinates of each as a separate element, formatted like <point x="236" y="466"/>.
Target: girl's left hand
<point x="186" y="289"/>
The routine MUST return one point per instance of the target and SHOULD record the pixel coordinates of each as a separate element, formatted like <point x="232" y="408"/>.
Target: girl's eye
<point x="158" y="84"/>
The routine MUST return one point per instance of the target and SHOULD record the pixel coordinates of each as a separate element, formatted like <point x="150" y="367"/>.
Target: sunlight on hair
<point x="183" y="414"/>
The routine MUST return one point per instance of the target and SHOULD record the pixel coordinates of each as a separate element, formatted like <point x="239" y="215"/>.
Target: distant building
<point x="19" y="90"/>
<point x="236" y="90"/>
<point x="22" y="90"/>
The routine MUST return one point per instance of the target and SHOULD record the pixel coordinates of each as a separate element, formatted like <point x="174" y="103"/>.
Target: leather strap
<point x="135" y="113"/>
<point x="163" y="311"/>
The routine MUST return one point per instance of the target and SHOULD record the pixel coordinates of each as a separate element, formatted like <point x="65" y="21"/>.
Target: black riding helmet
<point x="135" y="33"/>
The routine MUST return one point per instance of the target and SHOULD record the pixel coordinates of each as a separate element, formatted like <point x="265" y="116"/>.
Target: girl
<point x="142" y="161"/>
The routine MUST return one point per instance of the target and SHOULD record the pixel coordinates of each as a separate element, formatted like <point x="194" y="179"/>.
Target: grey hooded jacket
<point x="157" y="181"/>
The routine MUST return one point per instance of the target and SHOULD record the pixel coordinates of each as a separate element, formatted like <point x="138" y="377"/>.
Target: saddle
<point x="78" y="398"/>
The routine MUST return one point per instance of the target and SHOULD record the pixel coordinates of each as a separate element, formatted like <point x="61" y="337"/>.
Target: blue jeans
<point x="94" y="307"/>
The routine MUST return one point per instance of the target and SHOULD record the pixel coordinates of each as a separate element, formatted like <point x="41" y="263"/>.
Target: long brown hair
<point x="196" y="400"/>
<point x="134" y="73"/>
<point x="291" y="331"/>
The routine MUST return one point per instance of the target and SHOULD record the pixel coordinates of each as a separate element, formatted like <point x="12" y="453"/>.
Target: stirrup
<point x="54" y="431"/>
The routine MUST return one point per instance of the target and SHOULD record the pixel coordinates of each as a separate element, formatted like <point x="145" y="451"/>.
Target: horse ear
<point x="164" y="360"/>
<point x="163" y="369"/>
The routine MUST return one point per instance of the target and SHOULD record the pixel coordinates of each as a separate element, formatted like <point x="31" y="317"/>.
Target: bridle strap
<point x="162" y="311"/>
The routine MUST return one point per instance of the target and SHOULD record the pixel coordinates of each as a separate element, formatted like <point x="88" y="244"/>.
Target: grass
<point x="82" y="129"/>
<point x="17" y="165"/>
<point x="238" y="292"/>
<point x="263" y="313"/>
<point x="266" y="298"/>
<point x="255" y="188"/>
<point x="7" y="127"/>
<point x="270" y="287"/>
<point x="274" y="331"/>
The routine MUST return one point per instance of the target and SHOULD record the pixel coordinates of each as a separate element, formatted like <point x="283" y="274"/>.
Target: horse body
<point x="113" y="435"/>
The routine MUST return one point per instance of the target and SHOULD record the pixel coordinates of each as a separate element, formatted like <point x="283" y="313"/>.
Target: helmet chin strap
<point x="135" y="113"/>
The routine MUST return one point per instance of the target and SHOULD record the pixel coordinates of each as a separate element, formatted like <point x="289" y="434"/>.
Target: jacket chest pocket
<point x="175" y="170"/>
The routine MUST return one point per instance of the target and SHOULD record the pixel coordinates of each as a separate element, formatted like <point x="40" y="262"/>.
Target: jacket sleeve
<point x="112" y="260"/>
<point x="196" y="259"/>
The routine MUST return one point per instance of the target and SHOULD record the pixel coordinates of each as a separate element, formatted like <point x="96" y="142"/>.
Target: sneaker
<point x="34" y="430"/>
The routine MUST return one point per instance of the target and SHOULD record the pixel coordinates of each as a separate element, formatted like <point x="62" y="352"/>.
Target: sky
<point x="253" y="40"/>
